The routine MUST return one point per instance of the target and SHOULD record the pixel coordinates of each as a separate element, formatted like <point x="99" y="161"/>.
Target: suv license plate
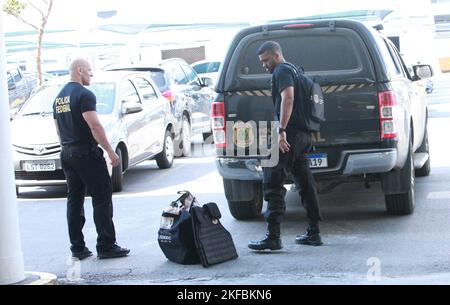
<point x="39" y="166"/>
<point x="317" y="160"/>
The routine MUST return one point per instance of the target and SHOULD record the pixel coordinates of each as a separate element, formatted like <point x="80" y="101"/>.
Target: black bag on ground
<point x="214" y="243"/>
<point x="311" y="111"/>
<point x="175" y="236"/>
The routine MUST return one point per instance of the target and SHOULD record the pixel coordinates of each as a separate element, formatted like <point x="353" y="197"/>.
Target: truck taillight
<point x="219" y="124"/>
<point x="388" y="107"/>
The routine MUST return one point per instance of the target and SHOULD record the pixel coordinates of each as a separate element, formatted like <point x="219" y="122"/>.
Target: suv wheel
<point x="404" y="204"/>
<point x="186" y="137"/>
<point x="249" y="208"/>
<point x="165" y="158"/>
<point x="424" y="148"/>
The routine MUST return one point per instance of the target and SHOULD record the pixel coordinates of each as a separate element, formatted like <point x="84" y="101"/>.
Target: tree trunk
<point x="39" y="56"/>
<point x="40" y="42"/>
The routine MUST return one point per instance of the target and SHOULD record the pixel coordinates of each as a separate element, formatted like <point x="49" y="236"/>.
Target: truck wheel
<point x="250" y="205"/>
<point x="424" y="148"/>
<point x="165" y="158"/>
<point x="404" y="204"/>
<point x="117" y="174"/>
<point x="208" y="138"/>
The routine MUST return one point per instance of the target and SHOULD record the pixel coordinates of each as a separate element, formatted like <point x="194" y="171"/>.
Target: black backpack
<point x="311" y="109"/>
<point x="176" y="236"/>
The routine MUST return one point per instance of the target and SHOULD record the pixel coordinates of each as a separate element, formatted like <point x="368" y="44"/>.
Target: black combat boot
<point x="311" y="237"/>
<point x="271" y="241"/>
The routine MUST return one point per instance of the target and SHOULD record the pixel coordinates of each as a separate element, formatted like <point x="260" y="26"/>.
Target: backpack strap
<point x="181" y="201"/>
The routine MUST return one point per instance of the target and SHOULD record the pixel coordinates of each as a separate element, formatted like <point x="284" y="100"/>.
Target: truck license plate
<point x="318" y="160"/>
<point x="39" y="166"/>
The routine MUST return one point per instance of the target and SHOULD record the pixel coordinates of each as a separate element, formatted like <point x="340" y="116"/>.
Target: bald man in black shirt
<point x="84" y="166"/>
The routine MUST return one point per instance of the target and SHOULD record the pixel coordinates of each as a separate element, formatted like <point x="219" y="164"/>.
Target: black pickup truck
<point x="376" y="112"/>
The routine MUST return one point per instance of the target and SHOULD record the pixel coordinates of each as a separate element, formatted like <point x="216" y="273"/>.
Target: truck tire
<point x="404" y="204"/>
<point x="251" y="205"/>
<point x="424" y="148"/>
<point x="117" y="174"/>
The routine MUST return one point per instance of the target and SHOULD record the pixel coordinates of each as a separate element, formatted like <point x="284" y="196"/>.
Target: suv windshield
<point x="42" y="101"/>
<point x="207" y="67"/>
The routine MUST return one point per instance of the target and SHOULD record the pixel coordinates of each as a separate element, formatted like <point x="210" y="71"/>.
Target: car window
<point x="191" y="76"/>
<point x="201" y="68"/>
<point x="392" y="67"/>
<point x="178" y="76"/>
<point x="42" y="101"/>
<point x="402" y="63"/>
<point x="160" y="80"/>
<point x="146" y="89"/>
<point x="16" y="75"/>
<point x="213" y="67"/>
<point x="398" y="68"/>
<point x="207" y="67"/>
<point x="10" y="80"/>
<point x="106" y="96"/>
<point x="128" y="93"/>
<point x="341" y="52"/>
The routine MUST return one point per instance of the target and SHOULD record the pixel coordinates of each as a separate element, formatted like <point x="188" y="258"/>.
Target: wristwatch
<point x="281" y="130"/>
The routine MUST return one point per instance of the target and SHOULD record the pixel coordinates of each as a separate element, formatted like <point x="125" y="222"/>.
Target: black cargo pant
<point x="296" y="163"/>
<point x="85" y="170"/>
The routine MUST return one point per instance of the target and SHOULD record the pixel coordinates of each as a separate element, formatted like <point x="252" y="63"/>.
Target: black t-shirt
<point x="68" y="109"/>
<point x="283" y="77"/>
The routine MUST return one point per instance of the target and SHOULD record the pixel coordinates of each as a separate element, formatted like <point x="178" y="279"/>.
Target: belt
<point x="79" y="146"/>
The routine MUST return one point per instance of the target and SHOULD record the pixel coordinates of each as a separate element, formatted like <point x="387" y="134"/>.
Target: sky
<point x="81" y="14"/>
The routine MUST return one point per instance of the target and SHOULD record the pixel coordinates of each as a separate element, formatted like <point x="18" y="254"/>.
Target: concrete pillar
<point x="11" y="257"/>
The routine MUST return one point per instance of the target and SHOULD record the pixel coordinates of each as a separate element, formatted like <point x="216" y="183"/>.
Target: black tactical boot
<point x="311" y="237"/>
<point x="271" y="241"/>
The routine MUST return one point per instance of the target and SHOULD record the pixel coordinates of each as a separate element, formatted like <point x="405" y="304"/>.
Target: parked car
<point x="190" y="97"/>
<point x="376" y="115"/>
<point x="207" y="68"/>
<point x="137" y="120"/>
<point x="19" y="88"/>
<point x="34" y="77"/>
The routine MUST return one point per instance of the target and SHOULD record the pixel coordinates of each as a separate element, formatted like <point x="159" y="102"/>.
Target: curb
<point x="39" y="279"/>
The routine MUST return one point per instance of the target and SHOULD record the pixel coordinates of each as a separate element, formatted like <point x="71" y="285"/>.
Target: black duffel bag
<point x="175" y="235"/>
<point x="214" y="243"/>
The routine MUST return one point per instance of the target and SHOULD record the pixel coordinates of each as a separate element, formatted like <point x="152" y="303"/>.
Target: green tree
<point x="34" y="13"/>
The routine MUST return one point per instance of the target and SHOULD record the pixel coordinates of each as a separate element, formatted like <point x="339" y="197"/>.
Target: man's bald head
<point x="80" y="71"/>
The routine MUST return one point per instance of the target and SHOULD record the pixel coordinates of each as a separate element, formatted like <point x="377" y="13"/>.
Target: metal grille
<point x="38" y="150"/>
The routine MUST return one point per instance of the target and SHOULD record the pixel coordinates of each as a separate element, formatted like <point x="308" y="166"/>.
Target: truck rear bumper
<point x="370" y="162"/>
<point x="352" y="162"/>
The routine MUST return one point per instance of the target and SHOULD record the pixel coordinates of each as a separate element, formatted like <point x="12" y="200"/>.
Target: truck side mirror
<point x="423" y="71"/>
